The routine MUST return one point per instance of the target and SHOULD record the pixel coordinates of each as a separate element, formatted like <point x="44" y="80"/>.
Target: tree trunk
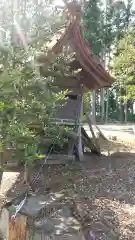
<point x="121" y="115"/>
<point x="94" y="104"/>
<point x="121" y="118"/>
<point x="122" y="105"/>
<point x="125" y="110"/>
<point x="107" y="105"/>
<point x="107" y="90"/>
<point x="27" y="174"/>
<point x="102" y="105"/>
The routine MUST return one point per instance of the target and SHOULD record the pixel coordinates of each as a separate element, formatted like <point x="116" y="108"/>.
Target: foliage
<point x="28" y="106"/>
<point x="123" y="64"/>
<point x="27" y="101"/>
<point x="93" y="24"/>
<point x="100" y="26"/>
<point x="105" y="27"/>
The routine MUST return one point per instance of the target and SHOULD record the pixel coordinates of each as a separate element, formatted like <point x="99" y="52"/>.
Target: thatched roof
<point x="93" y="75"/>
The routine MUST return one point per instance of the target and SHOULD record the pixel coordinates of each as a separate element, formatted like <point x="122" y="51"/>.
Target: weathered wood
<point x="69" y="108"/>
<point x="93" y="134"/>
<point x="6" y="157"/>
<point x="80" y="148"/>
<point x="72" y="135"/>
<point x="94" y="123"/>
<point x="71" y="144"/>
<point x="68" y="82"/>
<point x="17" y="228"/>
<point x="72" y="139"/>
<point x="59" y="159"/>
<point x="88" y="142"/>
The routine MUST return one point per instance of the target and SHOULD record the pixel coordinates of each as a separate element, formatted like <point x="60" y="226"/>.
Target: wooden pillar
<point x="80" y="148"/>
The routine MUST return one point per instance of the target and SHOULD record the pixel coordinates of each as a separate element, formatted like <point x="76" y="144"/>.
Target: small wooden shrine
<point x="91" y="76"/>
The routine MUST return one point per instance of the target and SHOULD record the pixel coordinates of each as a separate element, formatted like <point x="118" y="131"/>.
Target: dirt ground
<point x="103" y="187"/>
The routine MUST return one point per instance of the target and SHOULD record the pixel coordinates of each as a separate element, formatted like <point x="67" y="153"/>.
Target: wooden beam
<point x="93" y="134"/>
<point x="88" y="142"/>
<point x="94" y="123"/>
